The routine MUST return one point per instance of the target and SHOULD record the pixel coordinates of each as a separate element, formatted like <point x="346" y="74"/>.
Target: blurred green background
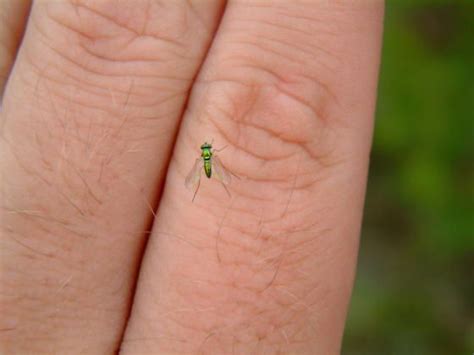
<point x="414" y="291"/>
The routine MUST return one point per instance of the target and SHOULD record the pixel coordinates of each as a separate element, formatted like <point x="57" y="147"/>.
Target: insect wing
<point x="194" y="175"/>
<point x="219" y="171"/>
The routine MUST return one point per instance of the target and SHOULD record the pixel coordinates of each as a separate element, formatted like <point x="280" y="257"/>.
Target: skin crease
<point x="102" y="249"/>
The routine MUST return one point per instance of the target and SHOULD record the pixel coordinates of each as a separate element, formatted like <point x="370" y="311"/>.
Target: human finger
<point x="87" y="125"/>
<point x="290" y="89"/>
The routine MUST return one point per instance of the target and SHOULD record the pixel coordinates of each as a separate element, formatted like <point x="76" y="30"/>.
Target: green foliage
<point x="415" y="285"/>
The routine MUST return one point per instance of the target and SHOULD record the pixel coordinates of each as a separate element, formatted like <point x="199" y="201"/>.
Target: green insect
<point x="212" y="166"/>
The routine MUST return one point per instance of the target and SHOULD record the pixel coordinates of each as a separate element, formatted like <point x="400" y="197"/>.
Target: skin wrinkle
<point x="259" y="230"/>
<point x="242" y="62"/>
<point x="46" y="284"/>
<point x="243" y="233"/>
<point x="58" y="248"/>
<point x="143" y="30"/>
<point x="107" y="92"/>
<point x="79" y="30"/>
<point x="227" y="138"/>
<point x="138" y="60"/>
<point x="239" y="119"/>
<point x="265" y="238"/>
<point x="199" y="328"/>
<point x="279" y="79"/>
<point x="134" y="35"/>
<point x="78" y="4"/>
<point x="219" y="259"/>
<point x="224" y="284"/>
<point x="265" y="50"/>
<point x="279" y="47"/>
<point x="243" y="325"/>
<point x="332" y="29"/>
<point x="296" y="254"/>
<point x="324" y="159"/>
<point x="262" y="128"/>
<point x="76" y="61"/>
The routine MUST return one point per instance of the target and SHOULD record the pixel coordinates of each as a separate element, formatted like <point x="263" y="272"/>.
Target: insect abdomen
<point x="207" y="167"/>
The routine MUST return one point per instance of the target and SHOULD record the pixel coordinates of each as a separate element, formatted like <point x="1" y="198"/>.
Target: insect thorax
<point x="206" y="153"/>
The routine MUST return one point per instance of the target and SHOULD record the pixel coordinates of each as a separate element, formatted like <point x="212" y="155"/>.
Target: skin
<point x="104" y="111"/>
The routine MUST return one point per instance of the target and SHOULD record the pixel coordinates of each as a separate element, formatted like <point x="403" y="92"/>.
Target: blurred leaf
<point x="414" y="288"/>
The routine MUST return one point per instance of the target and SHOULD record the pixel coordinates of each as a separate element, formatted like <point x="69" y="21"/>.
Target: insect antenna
<point x="221" y="149"/>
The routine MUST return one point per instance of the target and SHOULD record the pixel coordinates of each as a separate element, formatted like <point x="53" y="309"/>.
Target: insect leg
<point x="197" y="189"/>
<point x="234" y="175"/>
<point x="226" y="189"/>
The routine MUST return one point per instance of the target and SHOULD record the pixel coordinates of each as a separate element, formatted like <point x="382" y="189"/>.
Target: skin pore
<point x="102" y="248"/>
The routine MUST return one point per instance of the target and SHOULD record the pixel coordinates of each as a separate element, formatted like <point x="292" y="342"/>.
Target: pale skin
<point x="102" y="249"/>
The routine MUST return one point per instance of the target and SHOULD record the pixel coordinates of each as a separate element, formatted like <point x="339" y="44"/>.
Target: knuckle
<point x="111" y="39"/>
<point x="289" y="113"/>
<point x="280" y="81"/>
<point x="97" y="61"/>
